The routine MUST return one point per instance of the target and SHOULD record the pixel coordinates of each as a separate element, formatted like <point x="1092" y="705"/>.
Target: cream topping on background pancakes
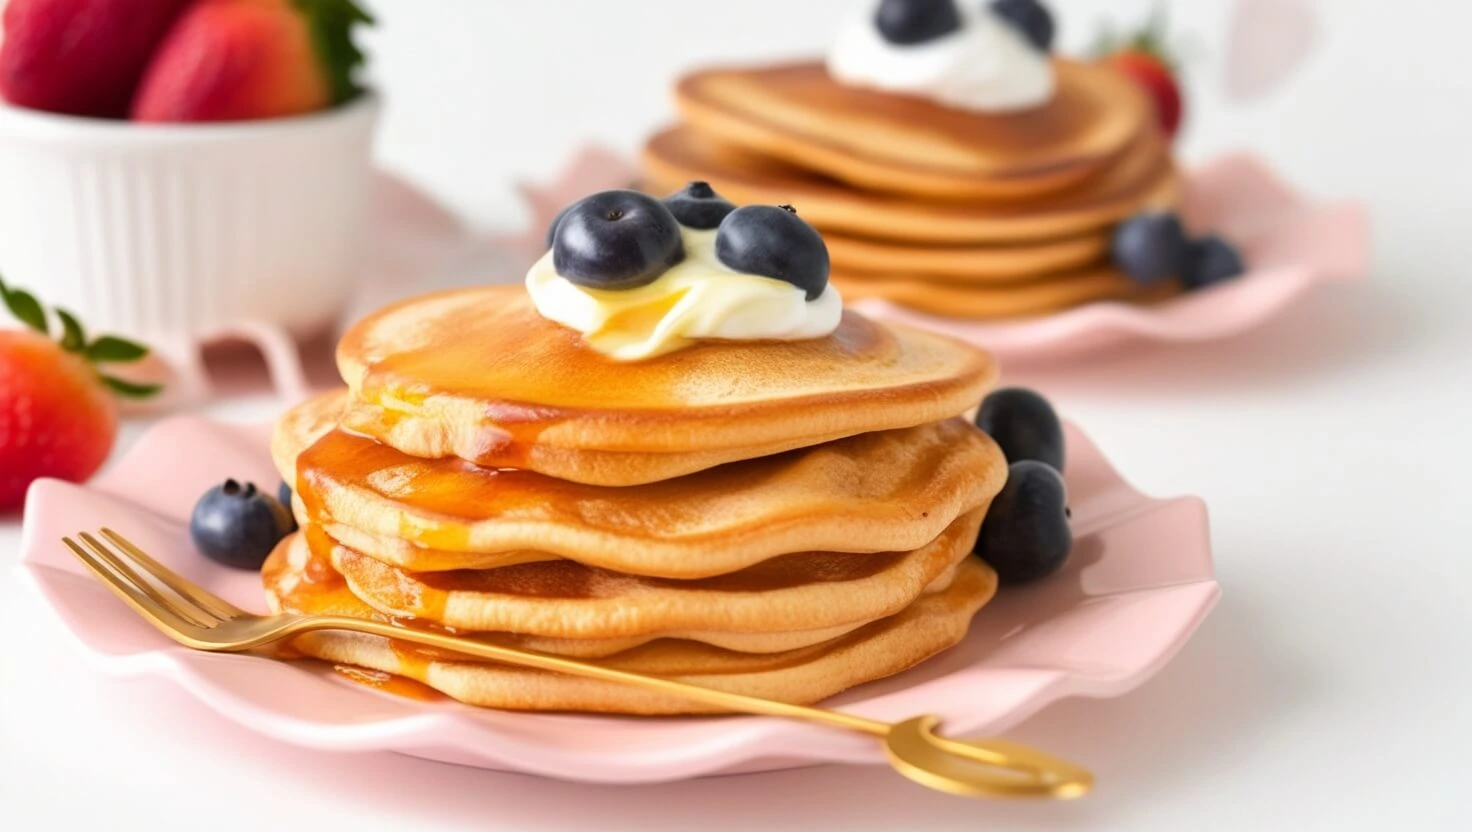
<point x="985" y="65"/>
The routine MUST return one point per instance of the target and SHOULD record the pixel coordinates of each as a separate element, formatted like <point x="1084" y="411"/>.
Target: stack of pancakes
<point x="783" y="519"/>
<point x="945" y="211"/>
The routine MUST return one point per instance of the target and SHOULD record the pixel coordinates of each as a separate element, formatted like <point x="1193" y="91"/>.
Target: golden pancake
<point x="966" y="264"/>
<point x="564" y="599"/>
<point x="326" y="591"/>
<point x="804" y="675"/>
<point x="980" y="302"/>
<point x="398" y="552"/>
<point x="479" y="374"/>
<point x="889" y="491"/>
<point x="1143" y="177"/>
<point x="908" y="145"/>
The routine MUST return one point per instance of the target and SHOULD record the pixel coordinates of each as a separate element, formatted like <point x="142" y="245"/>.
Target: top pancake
<point x="909" y="145"/>
<point x="479" y="374"/>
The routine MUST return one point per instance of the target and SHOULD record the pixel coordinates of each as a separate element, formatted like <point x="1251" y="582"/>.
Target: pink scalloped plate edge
<point x="1138" y="583"/>
<point x="1290" y="243"/>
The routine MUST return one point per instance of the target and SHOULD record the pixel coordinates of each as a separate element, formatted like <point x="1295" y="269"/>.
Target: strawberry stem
<point x="331" y="23"/>
<point x="128" y="389"/>
<point x="26" y="309"/>
<point x="74" y="338"/>
<point x="1152" y="39"/>
<point x="112" y="349"/>
<point x="106" y="349"/>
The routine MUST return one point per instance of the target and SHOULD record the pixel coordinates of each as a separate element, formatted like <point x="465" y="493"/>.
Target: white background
<point x="1328" y="690"/>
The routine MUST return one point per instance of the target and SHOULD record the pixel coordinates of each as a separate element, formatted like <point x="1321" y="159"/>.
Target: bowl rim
<point x="23" y="122"/>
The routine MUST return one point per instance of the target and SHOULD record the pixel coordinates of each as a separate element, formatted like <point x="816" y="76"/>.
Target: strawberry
<point x="1145" y="57"/>
<point x="80" y="57"/>
<point x="231" y="60"/>
<point x="58" y="414"/>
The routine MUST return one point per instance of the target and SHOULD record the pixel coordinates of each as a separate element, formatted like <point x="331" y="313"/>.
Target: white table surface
<point x="1327" y="690"/>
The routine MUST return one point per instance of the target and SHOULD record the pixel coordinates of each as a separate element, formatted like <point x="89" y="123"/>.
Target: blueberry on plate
<point x="1026" y="534"/>
<point x="1024" y="425"/>
<point x="773" y="241"/>
<point x="1211" y="260"/>
<point x="697" y="205"/>
<point x="909" y="22"/>
<point x="616" y="240"/>
<point x="237" y="525"/>
<point x="1029" y="17"/>
<point x="1150" y="247"/>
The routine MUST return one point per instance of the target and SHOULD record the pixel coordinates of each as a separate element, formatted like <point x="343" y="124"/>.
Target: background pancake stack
<point x="722" y="514"/>
<point x="950" y="212"/>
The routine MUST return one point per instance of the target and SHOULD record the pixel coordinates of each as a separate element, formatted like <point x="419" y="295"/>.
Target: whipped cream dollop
<point x="987" y="65"/>
<point x="698" y="298"/>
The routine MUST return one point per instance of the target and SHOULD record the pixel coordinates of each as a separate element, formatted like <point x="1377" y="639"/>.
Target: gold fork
<point x="190" y="615"/>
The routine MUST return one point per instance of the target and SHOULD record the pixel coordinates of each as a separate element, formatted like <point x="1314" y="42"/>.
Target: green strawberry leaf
<point x="26" y="309"/>
<point x="130" y="390"/>
<point x="110" y="348"/>
<point x="1153" y="39"/>
<point x="73" y="337"/>
<point x="331" y="23"/>
<point x="106" y="349"/>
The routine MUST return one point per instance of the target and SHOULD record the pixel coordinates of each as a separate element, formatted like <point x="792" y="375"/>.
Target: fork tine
<point x="210" y="602"/>
<point x="162" y="618"/>
<point x="184" y="610"/>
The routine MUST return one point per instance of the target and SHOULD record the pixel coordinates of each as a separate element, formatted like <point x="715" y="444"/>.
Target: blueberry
<point x="908" y="22"/>
<point x="1024" y="425"/>
<point x="773" y="241"/>
<point x="238" y="526"/>
<point x="697" y="205"/>
<point x="1029" y="17"/>
<point x="1026" y="534"/>
<point x="1211" y="260"/>
<point x="616" y="240"/>
<point x="1150" y="247"/>
<point x="552" y="227"/>
<point x="283" y="496"/>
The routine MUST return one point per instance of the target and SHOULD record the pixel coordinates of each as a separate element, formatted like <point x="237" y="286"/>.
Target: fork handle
<point x="992" y="768"/>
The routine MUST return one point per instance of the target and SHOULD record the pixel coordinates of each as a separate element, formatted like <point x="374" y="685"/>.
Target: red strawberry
<point x="58" y="415"/>
<point x="1145" y="57"/>
<point x="80" y="57"/>
<point x="232" y="60"/>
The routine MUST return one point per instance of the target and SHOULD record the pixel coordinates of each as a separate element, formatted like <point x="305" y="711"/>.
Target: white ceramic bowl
<point x="181" y="233"/>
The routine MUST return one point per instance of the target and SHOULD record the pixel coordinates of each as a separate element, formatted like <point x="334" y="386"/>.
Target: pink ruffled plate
<point x="1136" y="586"/>
<point x="1290" y="243"/>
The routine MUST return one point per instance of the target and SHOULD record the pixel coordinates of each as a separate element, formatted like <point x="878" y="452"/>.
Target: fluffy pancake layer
<point x="984" y="264"/>
<point x="564" y="599"/>
<point x="478" y="374"/>
<point x="804" y="674"/>
<point x="1143" y="176"/>
<point x="888" y="491"/>
<point x="904" y="144"/>
<point x="298" y="580"/>
<point x="1014" y="300"/>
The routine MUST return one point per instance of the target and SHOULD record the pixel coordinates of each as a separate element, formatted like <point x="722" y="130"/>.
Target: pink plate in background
<point x="1290" y="242"/>
<point x="1138" y="583"/>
